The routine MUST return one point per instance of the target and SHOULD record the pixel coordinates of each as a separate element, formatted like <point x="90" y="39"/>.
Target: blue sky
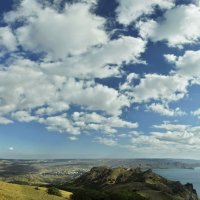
<point x="99" y="79"/>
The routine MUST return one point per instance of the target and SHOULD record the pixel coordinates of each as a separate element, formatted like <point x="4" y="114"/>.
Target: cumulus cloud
<point x="67" y="34"/>
<point x="74" y="54"/>
<point x="72" y="138"/>
<point x="196" y="113"/>
<point x="187" y="64"/>
<point x="146" y="28"/>
<point x="23" y="116"/>
<point x="5" y="121"/>
<point x="170" y="58"/>
<point x="105" y="124"/>
<point x="21" y="88"/>
<point x="175" y="138"/>
<point x="94" y="97"/>
<point x="52" y="108"/>
<point x="28" y="94"/>
<point x="7" y="39"/>
<point x="164" y="110"/>
<point x="57" y="92"/>
<point x="172" y="127"/>
<point x="128" y="84"/>
<point x="60" y="123"/>
<point x="159" y="87"/>
<point x="176" y="33"/>
<point x="130" y="10"/>
<point x="106" y="141"/>
<point x="100" y="62"/>
<point x="64" y="86"/>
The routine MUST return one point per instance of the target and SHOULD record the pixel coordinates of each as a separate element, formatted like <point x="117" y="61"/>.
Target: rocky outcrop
<point x="147" y="183"/>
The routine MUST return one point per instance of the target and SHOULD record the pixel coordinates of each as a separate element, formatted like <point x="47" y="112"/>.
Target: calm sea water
<point x="182" y="175"/>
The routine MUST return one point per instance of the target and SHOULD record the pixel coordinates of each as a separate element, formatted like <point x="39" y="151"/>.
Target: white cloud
<point x="23" y="116"/>
<point x="176" y="139"/>
<point x="58" y="34"/>
<point x="196" y="112"/>
<point x="188" y="64"/>
<point x="185" y="30"/>
<point x="11" y="148"/>
<point x="146" y="28"/>
<point x="170" y="58"/>
<point x="172" y="127"/>
<point x="78" y="52"/>
<point x="81" y="122"/>
<point x="53" y="108"/>
<point x="106" y="141"/>
<point x="97" y="62"/>
<point x="21" y="88"/>
<point x="97" y="122"/>
<point x="187" y="138"/>
<point x="73" y="138"/>
<point x="130" y="10"/>
<point x="94" y="97"/>
<point x="74" y="47"/>
<point x="159" y="87"/>
<point x="27" y="94"/>
<point x="60" y="124"/>
<point x="5" y="121"/>
<point x="164" y="110"/>
<point x="7" y="39"/>
<point x="132" y="76"/>
<point x="128" y="84"/>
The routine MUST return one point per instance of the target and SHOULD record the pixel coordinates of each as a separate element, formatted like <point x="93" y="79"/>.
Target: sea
<point x="182" y="175"/>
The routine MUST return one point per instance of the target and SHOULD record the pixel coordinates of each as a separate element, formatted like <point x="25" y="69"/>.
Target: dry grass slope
<point x="10" y="191"/>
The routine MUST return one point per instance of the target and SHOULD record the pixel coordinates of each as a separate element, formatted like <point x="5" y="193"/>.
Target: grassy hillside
<point x="10" y="191"/>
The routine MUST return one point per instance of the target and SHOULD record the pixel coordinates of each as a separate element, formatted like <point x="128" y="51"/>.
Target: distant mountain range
<point x="49" y="171"/>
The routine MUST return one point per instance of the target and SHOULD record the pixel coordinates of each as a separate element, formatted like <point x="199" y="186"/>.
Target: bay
<point x="182" y="175"/>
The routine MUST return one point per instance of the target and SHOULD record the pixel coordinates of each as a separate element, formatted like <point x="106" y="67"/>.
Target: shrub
<point x="85" y="194"/>
<point x="54" y="191"/>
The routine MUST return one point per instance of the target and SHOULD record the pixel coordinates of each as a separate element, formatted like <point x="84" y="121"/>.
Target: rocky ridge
<point x="146" y="183"/>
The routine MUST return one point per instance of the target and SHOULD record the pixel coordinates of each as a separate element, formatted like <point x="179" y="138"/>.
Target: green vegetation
<point x="86" y="194"/>
<point x="54" y="191"/>
<point x="103" y="183"/>
<point x="129" y="184"/>
<point x="10" y="191"/>
<point x="18" y="182"/>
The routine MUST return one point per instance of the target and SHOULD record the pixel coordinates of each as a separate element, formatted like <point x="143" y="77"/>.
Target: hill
<point x="10" y="191"/>
<point x="104" y="183"/>
<point x="147" y="184"/>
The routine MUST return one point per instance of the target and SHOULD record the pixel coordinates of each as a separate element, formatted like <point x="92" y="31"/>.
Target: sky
<point x="99" y="79"/>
